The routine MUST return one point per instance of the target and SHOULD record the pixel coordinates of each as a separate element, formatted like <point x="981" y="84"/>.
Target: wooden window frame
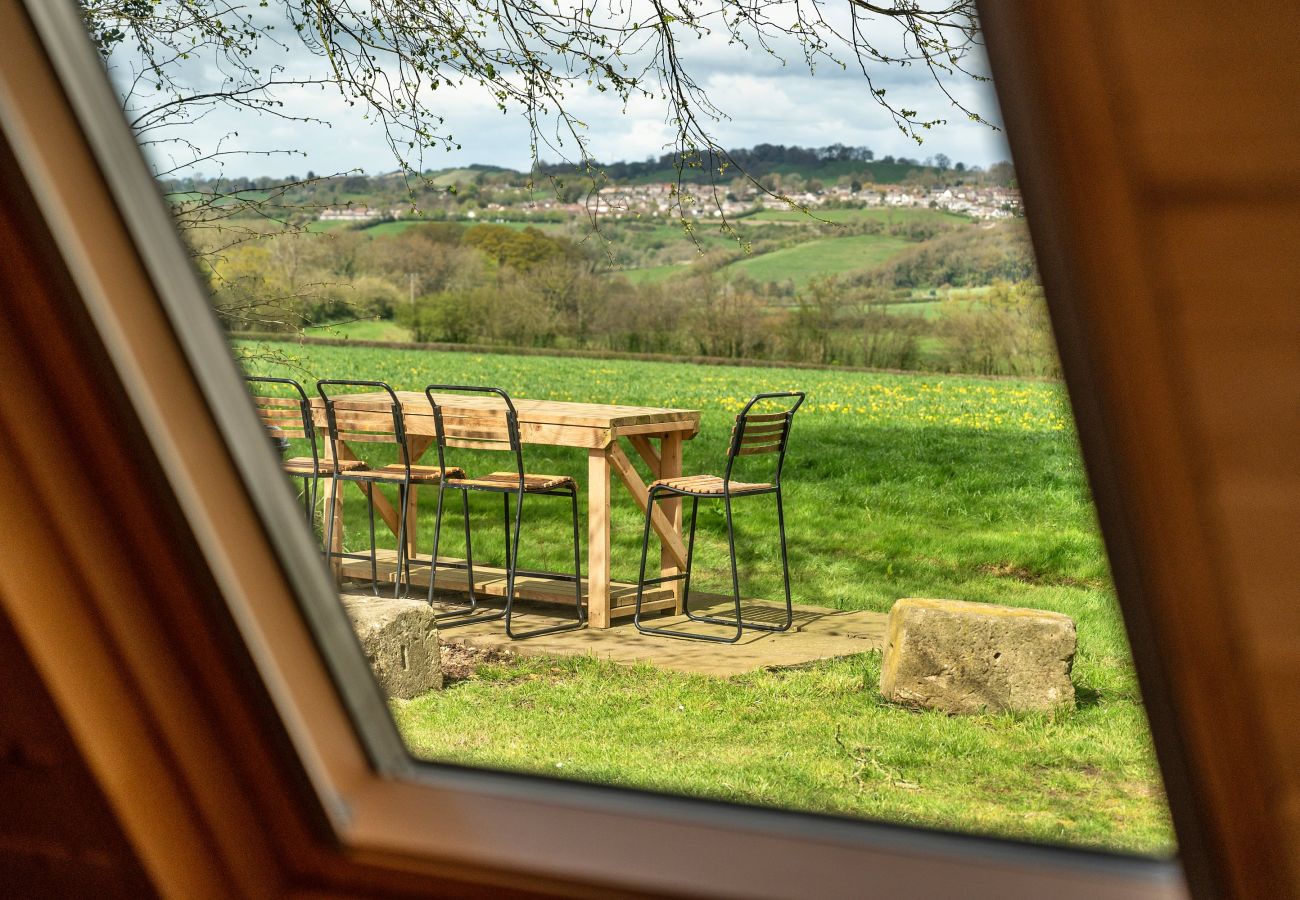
<point x="230" y="716"/>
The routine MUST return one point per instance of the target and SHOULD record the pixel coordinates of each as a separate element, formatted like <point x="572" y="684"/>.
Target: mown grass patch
<point x="817" y="738"/>
<point x="820" y="258"/>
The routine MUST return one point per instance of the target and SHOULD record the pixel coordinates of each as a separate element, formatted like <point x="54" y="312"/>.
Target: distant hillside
<point x="824" y="163"/>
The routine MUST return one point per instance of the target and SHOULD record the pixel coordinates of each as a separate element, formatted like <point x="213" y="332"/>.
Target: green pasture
<point x="820" y="258"/>
<point x="362" y="330"/>
<point x="897" y="486"/>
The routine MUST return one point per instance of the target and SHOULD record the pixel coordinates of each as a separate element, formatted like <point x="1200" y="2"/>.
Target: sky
<point x="766" y="101"/>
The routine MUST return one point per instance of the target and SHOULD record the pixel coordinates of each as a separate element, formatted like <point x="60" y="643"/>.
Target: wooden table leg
<point x="670" y="466"/>
<point x="419" y="444"/>
<point x="327" y="486"/>
<point x="598" y="533"/>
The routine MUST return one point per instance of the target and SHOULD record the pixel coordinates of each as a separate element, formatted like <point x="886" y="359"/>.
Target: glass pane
<point x="629" y="267"/>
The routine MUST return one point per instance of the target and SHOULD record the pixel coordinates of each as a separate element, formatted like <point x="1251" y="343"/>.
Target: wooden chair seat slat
<point x="302" y="465"/>
<point x="396" y="473"/>
<point x="707" y="484"/>
<point x="510" y="480"/>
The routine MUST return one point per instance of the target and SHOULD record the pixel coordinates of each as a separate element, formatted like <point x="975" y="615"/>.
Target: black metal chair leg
<point x="577" y="561"/>
<point x="642" y="581"/>
<point x="645" y="551"/>
<point x="511" y="568"/>
<point x="505" y="522"/>
<point x="735" y="583"/>
<point x="690" y="558"/>
<point x="402" y="562"/>
<point x="329" y="522"/>
<point x="374" y="563"/>
<point x="469" y="551"/>
<point x="785" y="561"/>
<point x="315" y="498"/>
<point x="468" y="615"/>
<point x="514" y="573"/>
<point x="735" y="574"/>
<point x="437" y="536"/>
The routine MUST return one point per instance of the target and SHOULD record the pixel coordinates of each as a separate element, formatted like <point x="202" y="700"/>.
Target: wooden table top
<point x="606" y="418"/>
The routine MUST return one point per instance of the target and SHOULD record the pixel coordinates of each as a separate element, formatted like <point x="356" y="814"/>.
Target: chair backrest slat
<point x="766" y="448"/>
<point x="761" y="434"/>
<point x="489" y="422"/>
<point x="379" y="424"/>
<point x="754" y="434"/>
<point x="286" y="417"/>
<point x="354" y="421"/>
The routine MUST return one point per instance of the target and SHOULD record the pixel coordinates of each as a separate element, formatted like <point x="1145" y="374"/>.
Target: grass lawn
<point x="897" y="486"/>
<point x="362" y="330"/>
<point x="820" y="258"/>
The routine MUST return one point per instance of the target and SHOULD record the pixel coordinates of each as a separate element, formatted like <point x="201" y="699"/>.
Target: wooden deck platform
<point x="817" y="633"/>
<point x="490" y="581"/>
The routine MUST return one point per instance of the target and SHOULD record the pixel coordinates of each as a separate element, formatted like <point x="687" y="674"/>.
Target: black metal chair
<point x="753" y="434"/>
<point x="353" y="421"/>
<point x="291" y="417"/>
<point x="491" y="425"/>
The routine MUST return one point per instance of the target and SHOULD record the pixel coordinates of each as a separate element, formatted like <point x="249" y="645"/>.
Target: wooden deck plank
<point x="490" y="581"/>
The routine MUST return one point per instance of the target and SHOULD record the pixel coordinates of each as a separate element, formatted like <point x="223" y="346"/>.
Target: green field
<point x="362" y="330"/>
<point x="821" y="258"/>
<point x="897" y="486"/>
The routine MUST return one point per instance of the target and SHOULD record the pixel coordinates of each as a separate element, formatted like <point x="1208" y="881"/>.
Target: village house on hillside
<point x="660" y="199"/>
<point x="357" y="213"/>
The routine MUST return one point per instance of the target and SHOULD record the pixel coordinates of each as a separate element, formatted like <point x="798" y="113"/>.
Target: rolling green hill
<point x="819" y="258"/>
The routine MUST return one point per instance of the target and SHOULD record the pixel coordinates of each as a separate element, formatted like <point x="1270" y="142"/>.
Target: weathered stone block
<point x="400" y="639"/>
<point x="977" y="657"/>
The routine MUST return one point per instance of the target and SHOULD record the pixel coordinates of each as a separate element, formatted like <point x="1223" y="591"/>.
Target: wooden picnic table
<point x="655" y="434"/>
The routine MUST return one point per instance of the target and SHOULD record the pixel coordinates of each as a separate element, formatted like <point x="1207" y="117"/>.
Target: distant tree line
<point x="521" y="287"/>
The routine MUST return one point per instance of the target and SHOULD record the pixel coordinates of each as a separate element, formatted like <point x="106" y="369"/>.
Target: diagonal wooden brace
<point x="641" y="444"/>
<point x="672" y="541"/>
